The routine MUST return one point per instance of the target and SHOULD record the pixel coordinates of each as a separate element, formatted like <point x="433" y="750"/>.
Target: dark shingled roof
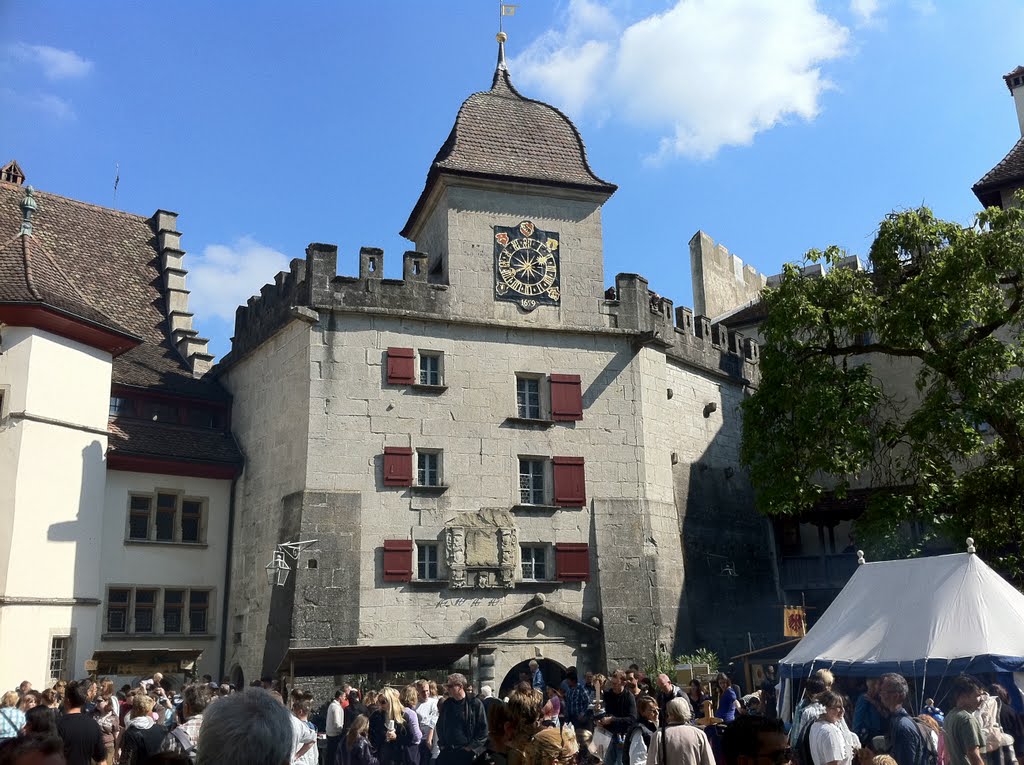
<point x="501" y="135"/>
<point x="102" y="265"/>
<point x="753" y="313"/>
<point x="159" y="439"/>
<point x="1009" y="173"/>
<point x="30" y="275"/>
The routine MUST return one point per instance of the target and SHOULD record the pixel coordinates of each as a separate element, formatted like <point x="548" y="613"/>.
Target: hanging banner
<point x="794" y="621"/>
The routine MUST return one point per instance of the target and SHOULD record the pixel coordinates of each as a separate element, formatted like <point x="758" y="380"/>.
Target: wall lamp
<point x="278" y="568"/>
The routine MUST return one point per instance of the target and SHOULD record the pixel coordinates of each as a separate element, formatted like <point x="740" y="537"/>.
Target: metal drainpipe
<point x="225" y="618"/>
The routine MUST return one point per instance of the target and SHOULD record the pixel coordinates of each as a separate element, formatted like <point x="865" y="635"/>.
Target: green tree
<point x="906" y="378"/>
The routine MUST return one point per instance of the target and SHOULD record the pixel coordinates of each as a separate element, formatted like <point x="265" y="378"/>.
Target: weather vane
<point x="504" y="9"/>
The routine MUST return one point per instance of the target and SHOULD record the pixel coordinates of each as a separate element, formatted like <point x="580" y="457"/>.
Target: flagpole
<point x="117" y="179"/>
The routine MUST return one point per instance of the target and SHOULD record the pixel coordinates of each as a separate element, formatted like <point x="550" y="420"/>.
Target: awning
<point x="354" y="659"/>
<point x="141" y="661"/>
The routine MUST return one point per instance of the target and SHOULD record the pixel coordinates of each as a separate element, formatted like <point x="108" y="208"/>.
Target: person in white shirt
<point x="828" y="743"/>
<point x="427" y="712"/>
<point x="335" y="721"/>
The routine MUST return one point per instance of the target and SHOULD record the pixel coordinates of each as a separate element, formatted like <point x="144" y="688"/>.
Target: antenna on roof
<point x="117" y="180"/>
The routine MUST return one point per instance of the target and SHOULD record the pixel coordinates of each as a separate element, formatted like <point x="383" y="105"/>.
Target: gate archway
<point x="553" y="673"/>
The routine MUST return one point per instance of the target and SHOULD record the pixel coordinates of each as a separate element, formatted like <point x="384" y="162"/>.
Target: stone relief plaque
<point x="480" y="549"/>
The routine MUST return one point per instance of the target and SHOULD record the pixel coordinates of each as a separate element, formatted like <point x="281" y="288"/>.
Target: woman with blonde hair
<point x="356" y="749"/>
<point x="553" y="746"/>
<point x="12" y="719"/>
<point x="391" y="732"/>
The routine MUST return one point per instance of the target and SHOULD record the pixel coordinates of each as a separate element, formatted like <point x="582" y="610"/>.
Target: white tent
<point x="925" y="616"/>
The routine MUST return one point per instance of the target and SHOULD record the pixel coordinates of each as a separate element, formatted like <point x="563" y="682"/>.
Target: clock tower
<point x="510" y="215"/>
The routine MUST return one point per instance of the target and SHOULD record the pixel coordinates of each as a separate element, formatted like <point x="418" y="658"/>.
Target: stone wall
<point x="721" y="281"/>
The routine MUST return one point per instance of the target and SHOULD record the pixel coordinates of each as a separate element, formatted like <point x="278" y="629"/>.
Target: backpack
<point x="186" y="743"/>
<point x="929" y="752"/>
<point x="802" y="750"/>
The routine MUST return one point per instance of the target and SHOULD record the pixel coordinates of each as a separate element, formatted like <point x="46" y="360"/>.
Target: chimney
<point x="1015" y="82"/>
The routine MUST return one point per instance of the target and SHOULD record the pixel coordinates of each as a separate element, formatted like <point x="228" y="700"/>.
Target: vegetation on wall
<point x="904" y="378"/>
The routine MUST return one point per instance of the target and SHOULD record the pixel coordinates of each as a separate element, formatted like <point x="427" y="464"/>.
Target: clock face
<point x="526" y="268"/>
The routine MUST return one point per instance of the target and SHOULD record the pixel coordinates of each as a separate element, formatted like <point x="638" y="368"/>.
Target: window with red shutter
<point x="397" y="560"/>
<point x="397" y="466"/>
<point x="572" y="562"/>
<point x="401" y="366"/>
<point x="566" y="398"/>
<point x="570" y="484"/>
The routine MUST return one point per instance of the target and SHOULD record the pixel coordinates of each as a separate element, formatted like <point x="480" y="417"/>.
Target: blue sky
<point x="773" y="125"/>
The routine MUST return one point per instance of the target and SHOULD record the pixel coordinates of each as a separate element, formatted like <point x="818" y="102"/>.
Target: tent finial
<point x="970" y="545"/>
<point x="860" y="557"/>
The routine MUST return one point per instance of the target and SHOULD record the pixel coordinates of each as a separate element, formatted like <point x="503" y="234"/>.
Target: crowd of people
<point x="625" y="718"/>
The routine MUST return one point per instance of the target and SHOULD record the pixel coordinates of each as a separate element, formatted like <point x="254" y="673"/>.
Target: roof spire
<point x="28" y="206"/>
<point x="501" y="37"/>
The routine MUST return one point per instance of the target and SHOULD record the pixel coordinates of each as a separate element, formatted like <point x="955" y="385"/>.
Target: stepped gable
<point x="108" y="261"/>
<point x="1008" y="173"/>
<point x="501" y="135"/>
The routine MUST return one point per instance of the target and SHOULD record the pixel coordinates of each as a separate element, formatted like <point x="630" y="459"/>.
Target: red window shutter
<point x="401" y="366"/>
<point x="572" y="562"/>
<point x="566" y="398"/>
<point x="570" y="484"/>
<point x="397" y="466"/>
<point x="397" y="560"/>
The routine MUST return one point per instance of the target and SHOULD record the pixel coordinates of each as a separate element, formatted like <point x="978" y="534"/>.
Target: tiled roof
<point x="499" y="134"/>
<point x="1008" y="173"/>
<point x="755" y="312"/>
<point x="156" y="439"/>
<point x="107" y="261"/>
<point x="30" y="275"/>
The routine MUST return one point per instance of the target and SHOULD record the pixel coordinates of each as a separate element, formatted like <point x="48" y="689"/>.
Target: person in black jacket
<point x="142" y="737"/>
<point x="620" y="708"/>
<point x="461" y="725"/>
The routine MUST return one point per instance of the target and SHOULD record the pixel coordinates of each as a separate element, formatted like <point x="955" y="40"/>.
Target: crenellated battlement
<point x="688" y="338"/>
<point x="312" y="285"/>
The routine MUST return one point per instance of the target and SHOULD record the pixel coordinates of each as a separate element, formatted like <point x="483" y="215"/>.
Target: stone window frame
<point x="425" y="546"/>
<point x="546" y="488"/>
<point x="153" y="511"/>
<point x="65" y="647"/>
<point x="423" y="355"/>
<point x="157" y="607"/>
<point x="438" y="469"/>
<point x="543" y="410"/>
<point x="544" y="551"/>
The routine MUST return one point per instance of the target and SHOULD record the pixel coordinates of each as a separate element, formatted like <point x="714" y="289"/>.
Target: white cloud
<point x="57" y="64"/>
<point x="226" y="276"/>
<point x="864" y="10"/>
<point x="707" y="73"/>
<point x="55" y="106"/>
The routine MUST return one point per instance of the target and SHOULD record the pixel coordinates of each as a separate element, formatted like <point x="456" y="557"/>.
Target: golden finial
<point x="501" y="37"/>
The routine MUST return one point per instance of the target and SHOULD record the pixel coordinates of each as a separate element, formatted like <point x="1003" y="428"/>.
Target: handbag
<point x="601" y="741"/>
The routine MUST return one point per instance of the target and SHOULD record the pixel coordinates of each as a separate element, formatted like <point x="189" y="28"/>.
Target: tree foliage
<point x="906" y="378"/>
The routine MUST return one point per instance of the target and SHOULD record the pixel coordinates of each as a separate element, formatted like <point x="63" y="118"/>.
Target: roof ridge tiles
<point x="93" y="206"/>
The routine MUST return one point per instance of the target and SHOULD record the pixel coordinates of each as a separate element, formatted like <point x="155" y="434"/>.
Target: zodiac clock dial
<point x="526" y="267"/>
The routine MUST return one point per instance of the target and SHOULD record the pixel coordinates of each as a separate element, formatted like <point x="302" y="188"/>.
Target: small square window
<point x="534" y="559"/>
<point x="430" y="368"/>
<point x="528" y="405"/>
<point x="531" y="481"/>
<point x="428" y="468"/>
<point x="426" y="560"/>
<point x="120" y="406"/>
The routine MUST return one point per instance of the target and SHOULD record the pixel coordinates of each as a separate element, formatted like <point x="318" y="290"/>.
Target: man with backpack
<point x="908" y="743"/>
<point x="184" y="738"/>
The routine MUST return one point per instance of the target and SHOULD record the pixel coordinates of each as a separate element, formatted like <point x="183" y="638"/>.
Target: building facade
<point x="116" y="460"/>
<point x="495" y="458"/>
